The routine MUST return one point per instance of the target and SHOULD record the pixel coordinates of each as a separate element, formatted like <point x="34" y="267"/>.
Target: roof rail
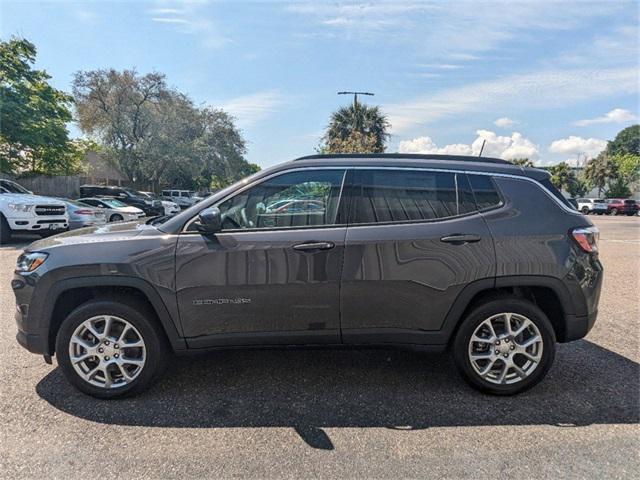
<point x="406" y="156"/>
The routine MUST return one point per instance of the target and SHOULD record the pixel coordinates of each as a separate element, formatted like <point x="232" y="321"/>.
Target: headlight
<point x="20" y="207"/>
<point x="28" y="262"/>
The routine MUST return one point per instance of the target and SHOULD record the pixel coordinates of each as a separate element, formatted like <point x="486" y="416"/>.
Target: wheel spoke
<point x="507" y="323"/>
<point x="81" y="358"/>
<point x="91" y="373"/>
<point x="519" y="371"/>
<point x="478" y="339"/>
<point x="488" y="367"/>
<point x="97" y="335"/>
<point x="523" y="327"/>
<point x="132" y="361"/>
<point x="107" y="376"/>
<point x="107" y="326"/>
<point x="82" y="342"/>
<point x="530" y="341"/>
<point x="503" y="373"/>
<point x="124" y="332"/>
<point x="124" y="372"/>
<point x="533" y="358"/>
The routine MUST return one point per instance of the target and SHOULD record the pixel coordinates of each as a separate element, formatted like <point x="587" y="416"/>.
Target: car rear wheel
<point x="110" y="349"/>
<point x="505" y="346"/>
<point x="585" y="210"/>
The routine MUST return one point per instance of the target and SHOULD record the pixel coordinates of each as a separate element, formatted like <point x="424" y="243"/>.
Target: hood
<point x="33" y="199"/>
<point x="96" y="234"/>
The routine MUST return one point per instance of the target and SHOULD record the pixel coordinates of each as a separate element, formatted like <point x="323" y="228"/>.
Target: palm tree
<point x="367" y="125"/>
<point x="599" y="171"/>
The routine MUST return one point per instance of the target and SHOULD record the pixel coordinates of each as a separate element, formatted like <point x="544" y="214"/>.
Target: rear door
<point x="415" y="240"/>
<point x="272" y="275"/>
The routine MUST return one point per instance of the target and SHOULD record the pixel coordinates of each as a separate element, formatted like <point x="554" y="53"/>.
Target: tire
<point x="545" y="348"/>
<point x="116" y="218"/>
<point x="600" y="213"/>
<point x="614" y="211"/>
<point x="154" y="353"/>
<point x="585" y="210"/>
<point x="5" y="231"/>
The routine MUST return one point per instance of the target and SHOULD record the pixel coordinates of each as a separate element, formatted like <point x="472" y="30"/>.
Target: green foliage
<point x="357" y="128"/>
<point x="355" y="142"/>
<point x="598" y="171"/>
<point x="627" y="141"/>
<point x="33" y="115"/>
<point x="156" y="134"/>
<point x="523" y="162"/>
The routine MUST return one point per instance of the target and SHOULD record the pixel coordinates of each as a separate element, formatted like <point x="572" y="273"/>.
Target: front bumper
<point x="38" y="223"/>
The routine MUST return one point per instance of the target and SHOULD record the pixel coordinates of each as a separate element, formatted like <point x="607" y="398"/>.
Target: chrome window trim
<point x="367" y="167"/>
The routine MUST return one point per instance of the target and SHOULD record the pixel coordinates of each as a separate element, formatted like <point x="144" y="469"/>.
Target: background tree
<point x="523" y="162"/>
<point x="357" y="128"/>
<point x="156" y="134"/>
<point x="33" y="115"/>
<point x="627" y="141"/>
<point x="598" y="171"/>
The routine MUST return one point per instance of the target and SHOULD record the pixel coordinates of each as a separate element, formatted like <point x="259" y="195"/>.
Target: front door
<point x="414" y="243"/>
<point x="272" y="275"/>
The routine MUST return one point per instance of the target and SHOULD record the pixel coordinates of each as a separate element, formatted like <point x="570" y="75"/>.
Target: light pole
<point x="355" y="96"/>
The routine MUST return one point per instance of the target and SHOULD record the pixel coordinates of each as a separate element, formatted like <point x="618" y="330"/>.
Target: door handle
<point x="460" y="238"/>
<point x="314" y="246"/>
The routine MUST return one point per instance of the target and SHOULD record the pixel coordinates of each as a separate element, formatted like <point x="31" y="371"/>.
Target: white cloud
<point x="190" y="18"/>
<point x="505" y="147"/>
<point x="252" y="109"/>
<point x="504" y="122"/>
<point x="578" y="146"/>
<point x="617" y="115"/>
<point x="546" y="89"/>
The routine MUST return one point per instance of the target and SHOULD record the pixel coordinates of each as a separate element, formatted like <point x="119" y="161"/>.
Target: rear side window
<point x="411" y="195"/>
<point x="546" y="183"/>
<point x="484" y="191"/>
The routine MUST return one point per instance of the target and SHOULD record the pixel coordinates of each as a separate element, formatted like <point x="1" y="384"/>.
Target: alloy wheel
<point x="107" y="351"/>
<point x="505" y="348"/>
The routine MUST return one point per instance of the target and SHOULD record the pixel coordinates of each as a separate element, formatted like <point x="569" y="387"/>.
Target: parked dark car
<point x="150" y="207"/>
<point x="616" y="206"/>
<point x="422" y="251"/>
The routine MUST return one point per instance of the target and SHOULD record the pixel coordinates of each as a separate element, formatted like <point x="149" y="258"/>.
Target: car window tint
<point x="297" y="199"/>
<point x="484" y="191"/>
<point x="407" y="195"/>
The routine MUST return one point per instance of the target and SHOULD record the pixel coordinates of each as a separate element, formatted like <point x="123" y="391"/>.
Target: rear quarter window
<point x="485" y="191"/>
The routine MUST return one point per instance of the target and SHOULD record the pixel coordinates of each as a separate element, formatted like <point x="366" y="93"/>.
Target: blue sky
<point x="548" y="80"/>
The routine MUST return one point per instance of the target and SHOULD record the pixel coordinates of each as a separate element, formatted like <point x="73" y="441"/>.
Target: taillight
<point x="586" y="238"/>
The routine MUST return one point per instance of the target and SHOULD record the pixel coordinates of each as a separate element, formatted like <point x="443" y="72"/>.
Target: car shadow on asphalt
<point x="309" y="390"/>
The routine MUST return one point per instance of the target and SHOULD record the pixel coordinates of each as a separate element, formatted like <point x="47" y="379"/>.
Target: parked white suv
<point x="21" y="211"/>
<point x="592" y="205"/>
<point x="184" y="198"/>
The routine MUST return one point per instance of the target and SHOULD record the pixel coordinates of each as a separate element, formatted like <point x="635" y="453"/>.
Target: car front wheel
<point x="505" y="346"/>
<point x="110" y="349"/>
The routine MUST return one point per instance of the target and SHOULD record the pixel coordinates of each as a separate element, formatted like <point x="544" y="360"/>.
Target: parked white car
<point x="170" y="208"/>
<point x="115" y="210"/>
<point x="592" y="205"/>
<point x="23" y="212"/>
<point x="184" y="198"/>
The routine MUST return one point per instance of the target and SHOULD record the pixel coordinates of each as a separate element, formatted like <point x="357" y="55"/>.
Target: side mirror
<point x="210" y="221"/>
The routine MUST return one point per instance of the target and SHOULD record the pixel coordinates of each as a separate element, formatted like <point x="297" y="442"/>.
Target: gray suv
<point x="422" y="251"/>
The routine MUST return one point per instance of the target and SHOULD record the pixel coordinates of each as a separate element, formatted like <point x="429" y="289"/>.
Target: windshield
<point x="112" y="202"/>
<point x="12" y="187"/>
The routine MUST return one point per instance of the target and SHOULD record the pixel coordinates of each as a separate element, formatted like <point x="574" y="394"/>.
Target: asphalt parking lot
<point x="339" y="413"/>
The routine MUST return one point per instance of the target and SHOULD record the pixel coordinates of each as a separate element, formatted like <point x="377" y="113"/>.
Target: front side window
<point x="411" y="195"/>
<point x="307" y="198"/>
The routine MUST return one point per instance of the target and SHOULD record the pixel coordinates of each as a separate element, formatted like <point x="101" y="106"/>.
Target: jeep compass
<point x="430" y="252"/>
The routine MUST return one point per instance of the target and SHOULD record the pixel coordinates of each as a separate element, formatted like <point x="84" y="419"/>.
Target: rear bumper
<point x="578" y="326"/>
